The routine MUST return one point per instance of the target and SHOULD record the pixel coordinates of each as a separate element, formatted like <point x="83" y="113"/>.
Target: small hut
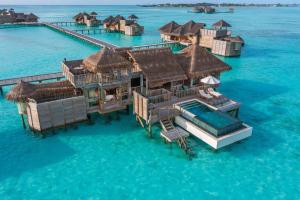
<point x="221" y="25"/>
<point x="133" y="17"/>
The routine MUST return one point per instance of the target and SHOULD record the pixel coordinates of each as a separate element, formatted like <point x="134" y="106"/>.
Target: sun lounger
<point x="205" y="95"/>
<point x="214" y="93"/>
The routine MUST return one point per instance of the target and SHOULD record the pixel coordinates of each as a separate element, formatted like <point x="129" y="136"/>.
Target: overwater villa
<point x="10" y="16"/>
<point x="218" y="39"/>
<point x="127" y="26"/>
<point x="204" y="9"/>
<point x="179" y="91"/>
<point x="87" y="19"/>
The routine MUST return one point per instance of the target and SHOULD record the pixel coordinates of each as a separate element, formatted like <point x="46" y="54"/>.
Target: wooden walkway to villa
<point x="34" y="78"/>
<point x="81" y="36"/>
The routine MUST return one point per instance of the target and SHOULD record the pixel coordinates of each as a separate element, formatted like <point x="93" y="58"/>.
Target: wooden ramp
<point x="34" y="78"/>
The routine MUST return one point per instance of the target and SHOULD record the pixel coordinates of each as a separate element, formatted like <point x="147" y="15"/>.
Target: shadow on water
<point x="250" y="92"/>
<point x="23" y="154"/>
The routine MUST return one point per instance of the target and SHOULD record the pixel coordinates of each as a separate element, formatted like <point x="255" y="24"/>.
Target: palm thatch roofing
<point x="221" y="24"/>
<point x="169" y="27"/>
<point x="108" y="20"/>
<point x="32" y="16"/>
<point x="199" y="62"/>
<point x="93" y="13"/>
<point x="187" y="29"/>
<point x="42" y="92"/>
<point x="105" y="60"/>
<point x="158" y="65"/>
<point x="133" y="17"/>
<point x="21" y="91"/>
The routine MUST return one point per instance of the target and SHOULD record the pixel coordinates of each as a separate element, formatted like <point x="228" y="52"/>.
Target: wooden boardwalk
<point x="90" y="31"/>
<point x="159" y="45"/>
<point x="81" y="36"/>
<point x="34" y="78"/>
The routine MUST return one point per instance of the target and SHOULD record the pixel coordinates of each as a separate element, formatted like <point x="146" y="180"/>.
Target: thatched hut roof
<point x="109" y="19"/>
<point x="133" y="17"/>
<point x="43" y="92"/>
<point x="32" y="16"/>
<point x="21" y="91"/>
<point x="105" y="60"/>
<point x="198" y="62"/>
<point x="93" y="13"/>
<point x="189" y="28"/>
<point x="169" y="27"/>
<point x="221" y="24"/>
<point x="158" y="65"/>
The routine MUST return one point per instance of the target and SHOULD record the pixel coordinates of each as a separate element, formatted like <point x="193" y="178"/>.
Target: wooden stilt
<point x="127" y="110"/>
<point x="1" y="91"/>
<point x="23" y="121"/>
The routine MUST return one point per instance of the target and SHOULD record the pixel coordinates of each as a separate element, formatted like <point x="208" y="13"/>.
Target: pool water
<point x="116" y="160"/>
<point x="215" y="122"/>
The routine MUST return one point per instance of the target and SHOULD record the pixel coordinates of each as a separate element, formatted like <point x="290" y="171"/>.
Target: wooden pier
<point x="34" y="78"/>
<point x="81" y="36"/>
<point x="90" y="31"/>
<point x="64" y="23"/>
<point x="159" y="45"/>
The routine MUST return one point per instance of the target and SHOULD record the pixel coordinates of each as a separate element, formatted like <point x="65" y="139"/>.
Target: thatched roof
<point x="93" y="13"/>
<point x="189" y="28"/>
<point x="32" y="16"/>
<point x="198" y="62"/>
<point x="42" y="92"/>
<point x="21" y="91"/>
<point x="169" y="27"/>
<point x="158" y="65"/>
<point x="221" y="24"/>
<point x="133" y="17"/>
<point x="109" y="19"/>
<point x="105" y="60"/>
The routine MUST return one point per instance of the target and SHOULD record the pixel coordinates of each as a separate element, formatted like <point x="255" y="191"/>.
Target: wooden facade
<point x="57" y="113"/>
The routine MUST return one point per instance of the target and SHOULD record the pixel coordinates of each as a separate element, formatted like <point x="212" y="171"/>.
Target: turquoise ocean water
<point x="116" y="160"/>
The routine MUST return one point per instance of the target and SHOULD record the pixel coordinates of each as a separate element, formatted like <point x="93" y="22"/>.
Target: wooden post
<point x="1" y="91"/>
<point x="23" y="121"/>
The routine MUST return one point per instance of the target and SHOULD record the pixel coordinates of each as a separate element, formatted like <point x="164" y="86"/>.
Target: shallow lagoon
<point x="117" y="160"/>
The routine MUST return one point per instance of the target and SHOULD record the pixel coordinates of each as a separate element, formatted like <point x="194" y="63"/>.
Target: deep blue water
<point x="117" y="160"/>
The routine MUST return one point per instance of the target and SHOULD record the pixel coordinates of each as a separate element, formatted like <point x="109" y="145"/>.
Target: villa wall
<point x="226" y="48"/>
<point x="52" y="114"/>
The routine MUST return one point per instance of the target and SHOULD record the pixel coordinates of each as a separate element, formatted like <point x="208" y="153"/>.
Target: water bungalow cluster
<point x="204" y="9"/>
<point x="218" y="39"/>
<point x="176" y="90"/>
<point x="120" y="24"/>
<point x="84" y="18"/>
<point x="10" y="16"/>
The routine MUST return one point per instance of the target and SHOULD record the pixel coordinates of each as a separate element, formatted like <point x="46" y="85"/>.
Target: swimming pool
<point x="215" y="122"/>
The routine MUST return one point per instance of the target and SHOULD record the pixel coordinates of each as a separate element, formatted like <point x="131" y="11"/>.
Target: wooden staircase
<point x="171" y="134"/>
